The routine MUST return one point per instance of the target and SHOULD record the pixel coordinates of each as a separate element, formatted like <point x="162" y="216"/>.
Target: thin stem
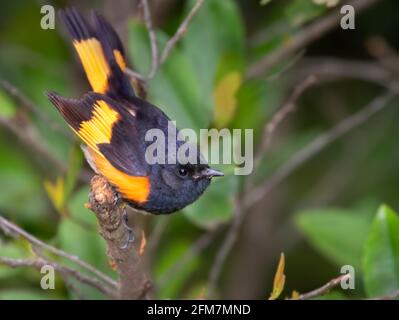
<point x="153" y="38"/>
<point x="180" y="31"/>
<point x="324" y="289"/>
<point x="64" y="270"/>
<point x="9" y="227"/>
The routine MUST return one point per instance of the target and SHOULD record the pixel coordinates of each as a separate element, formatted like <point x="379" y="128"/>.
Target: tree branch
<point x="224" y="250"/>
<point x="104" y="202"/>
<point x="155" y="237"/>
<point x="180" y="31"/>
<point x="39" y="262"/>
<point x="29" y="136"/>
<point x="330" y="69"/>
<point x="392" y="296"/>
<point x="324" y="289"/>
<point x="12" y="229"/>
<point x="158" y="58"/>
<point x="384" y="53"/>
<point x="288" y="107"/>
<point x="152" y="36"/>
<point x="32" y="108"/>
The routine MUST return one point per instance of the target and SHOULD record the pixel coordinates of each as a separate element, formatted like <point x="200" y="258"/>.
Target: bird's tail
<point x="100" y="51"/>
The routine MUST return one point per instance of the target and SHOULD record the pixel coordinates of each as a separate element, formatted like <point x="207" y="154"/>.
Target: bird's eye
<point x="183" y="172"/>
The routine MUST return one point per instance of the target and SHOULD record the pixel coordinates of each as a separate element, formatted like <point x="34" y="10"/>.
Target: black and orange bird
<point x="112" y="122"/>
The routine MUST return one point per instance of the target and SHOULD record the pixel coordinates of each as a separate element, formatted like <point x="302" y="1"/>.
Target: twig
<point x="305" y="37"/>
<point x="224" y="250"/>
<point x="135" y="75"/>
<point x="32" y="108"/>
<point x="289" y="65"/>
<point x="66" y="271"/>
<point x="392" y="296"/>
<point x="153" y="38"/>
<point x="317" y="145"/>
<point x="160" y="58"/>
<point x="110" y="213"/>
<point x="327" y="69"/>
<point x="10" y="228"/>
<point x="180" y="31"/>
<point x="72" y="288"/>
<point x="288" y="107"/>
<point x="324" y="289"/>
<point x="155" y="237"/>
<point x="30" y="138"/>
<point x="384" y="53"/>
<point x="139" y="82"/>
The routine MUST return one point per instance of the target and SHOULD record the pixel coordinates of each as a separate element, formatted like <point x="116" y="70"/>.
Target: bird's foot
<point x="130" y="235"/>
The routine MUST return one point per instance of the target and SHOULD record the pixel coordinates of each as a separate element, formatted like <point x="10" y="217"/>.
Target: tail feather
<point x="101" y="53"/>
<point x="114" y="48"/>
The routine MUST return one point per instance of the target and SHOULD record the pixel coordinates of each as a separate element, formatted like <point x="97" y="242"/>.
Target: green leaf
<point x="381" y="254"/>
<point x="139" y="47"/>
<point x="166" y="260"/>
<point x="56" y="192"/>
<point x="218" y="28"/>
<point x="279" y="279"/>
<point x="337" y="233"/>
<point x="7" y="106"/>
<point x="74" y="166"/>
<point x="301" y="11"/>
<point x="225" y="100"/>
<point x="22" y="194"/>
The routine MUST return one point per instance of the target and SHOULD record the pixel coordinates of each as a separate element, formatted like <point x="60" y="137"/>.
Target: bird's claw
<point x="130" y="235"/>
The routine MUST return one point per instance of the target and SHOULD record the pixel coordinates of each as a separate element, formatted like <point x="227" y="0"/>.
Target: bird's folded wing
<point x="109" y="131"/>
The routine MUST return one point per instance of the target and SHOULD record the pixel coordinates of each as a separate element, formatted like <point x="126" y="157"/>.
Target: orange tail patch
<point x="94" y="63"/>
<point x="100" y="51"/>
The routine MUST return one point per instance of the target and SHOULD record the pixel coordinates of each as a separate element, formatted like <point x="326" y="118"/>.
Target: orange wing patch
<point x="94" y="63"/>
<point x="119" y="59"/>
<point x="130" y="187"/>
<point x="98" y="129"/>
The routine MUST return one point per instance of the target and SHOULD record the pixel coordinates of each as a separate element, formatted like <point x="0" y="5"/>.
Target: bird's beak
<point x="209" y="173"/>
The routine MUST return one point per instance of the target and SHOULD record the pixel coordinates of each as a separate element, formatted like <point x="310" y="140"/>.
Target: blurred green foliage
<point x="354" y="238"/>
<point x="329" y="202"/>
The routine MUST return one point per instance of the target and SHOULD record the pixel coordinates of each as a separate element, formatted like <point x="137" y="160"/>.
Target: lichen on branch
<point x="104" y="201"/>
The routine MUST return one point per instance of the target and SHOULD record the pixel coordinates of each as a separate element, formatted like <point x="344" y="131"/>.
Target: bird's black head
<point x="174" y="186"/>
<point x="177" y="183"/>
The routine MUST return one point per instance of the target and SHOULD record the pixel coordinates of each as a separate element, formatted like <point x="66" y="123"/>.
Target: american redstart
<point x="112" y="121"/>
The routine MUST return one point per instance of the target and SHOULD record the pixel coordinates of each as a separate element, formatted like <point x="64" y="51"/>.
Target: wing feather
<point x="113" y="146"/>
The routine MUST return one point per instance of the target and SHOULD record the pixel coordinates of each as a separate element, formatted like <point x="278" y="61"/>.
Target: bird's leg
<point x="130" y="235"/>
